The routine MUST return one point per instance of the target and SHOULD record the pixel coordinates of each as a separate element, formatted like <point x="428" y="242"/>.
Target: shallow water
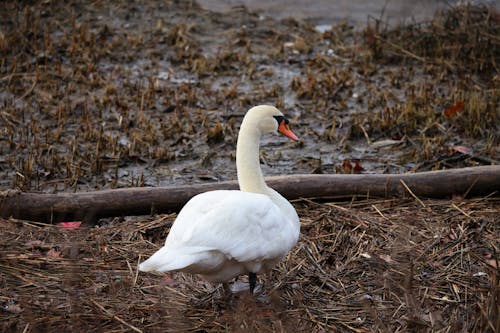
<point x="354" y="11"/>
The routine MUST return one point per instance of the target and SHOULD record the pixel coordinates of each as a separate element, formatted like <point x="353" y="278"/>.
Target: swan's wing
<point x="243" y="226"/>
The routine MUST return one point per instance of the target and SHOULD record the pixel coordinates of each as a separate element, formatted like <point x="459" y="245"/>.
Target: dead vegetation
<point x="365" y="266"/>
<point x="99" y="95"/>
<point x="461" y="41"/>
<point x="459" y="50"/>
<point x="96" y="95"/>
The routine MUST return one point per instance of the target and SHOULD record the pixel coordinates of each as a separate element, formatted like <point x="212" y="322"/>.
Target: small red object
<point x="453" y="109"/>
<point x="70" y="225"/>
<point x="346" y="165"/>
<point x="463" y="150"/>
<point x="357" y="166"/>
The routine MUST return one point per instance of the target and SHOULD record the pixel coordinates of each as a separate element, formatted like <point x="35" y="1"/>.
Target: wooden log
<point x="89" y="206"/>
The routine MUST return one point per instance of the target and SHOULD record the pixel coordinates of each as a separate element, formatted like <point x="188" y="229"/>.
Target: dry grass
<point x="459" y="45"/>
<point x="463" y="40"/>
<point x="364" y="266"/>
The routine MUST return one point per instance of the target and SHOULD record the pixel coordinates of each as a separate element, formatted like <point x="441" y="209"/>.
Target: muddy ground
<point x="100" y="95"/>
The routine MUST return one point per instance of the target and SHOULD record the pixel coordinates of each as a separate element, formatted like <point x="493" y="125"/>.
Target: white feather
<point x="220" y="228"/>
<point x="223" y="234"/>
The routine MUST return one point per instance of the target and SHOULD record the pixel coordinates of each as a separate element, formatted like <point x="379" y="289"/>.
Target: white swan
<point x="223" y="234"/>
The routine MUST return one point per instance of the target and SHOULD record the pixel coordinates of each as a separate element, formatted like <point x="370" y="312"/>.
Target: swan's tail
<point x="188" y="259"/>
<point x="164" y="260"/>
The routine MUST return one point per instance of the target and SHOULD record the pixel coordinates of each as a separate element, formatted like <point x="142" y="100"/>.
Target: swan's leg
<point x="227" y="289"/>
<point x="252" y="280"/>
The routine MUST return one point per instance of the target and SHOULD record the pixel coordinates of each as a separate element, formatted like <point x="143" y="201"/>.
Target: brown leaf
<point x="346" y="166"/>
<point x="357" y="166"/>
<point x="453" y="109"/>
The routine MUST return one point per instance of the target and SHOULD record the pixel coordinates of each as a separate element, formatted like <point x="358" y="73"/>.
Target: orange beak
<point x="285" y="130"/>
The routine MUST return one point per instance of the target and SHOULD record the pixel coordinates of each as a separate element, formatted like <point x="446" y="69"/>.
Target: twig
<point x="113" y="316"/>
<point x="379" y="212"/>
<point x="412" y="194"/>
<point x="460" y="210"/>
<point x="136" y="271"/>
<point x="10" y="76"/>
<point x="367" y="137"/>
<point x="408" y="53"/>
<point x="470" y="188"/>
<point x="28" y="91"/>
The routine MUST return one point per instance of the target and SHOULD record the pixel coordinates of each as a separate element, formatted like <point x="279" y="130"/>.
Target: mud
<point x="98" y="95"/>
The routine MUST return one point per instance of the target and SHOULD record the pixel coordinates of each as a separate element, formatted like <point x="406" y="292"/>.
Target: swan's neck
<point x="250" y="176"/>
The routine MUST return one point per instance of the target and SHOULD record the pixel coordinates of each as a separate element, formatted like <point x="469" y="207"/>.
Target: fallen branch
<point x="89" y="206"/>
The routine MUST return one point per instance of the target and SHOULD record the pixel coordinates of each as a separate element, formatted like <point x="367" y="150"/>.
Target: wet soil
<point x="97" y="95"/>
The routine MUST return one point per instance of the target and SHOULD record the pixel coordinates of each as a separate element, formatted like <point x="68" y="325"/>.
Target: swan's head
<point x="269" y="119"/>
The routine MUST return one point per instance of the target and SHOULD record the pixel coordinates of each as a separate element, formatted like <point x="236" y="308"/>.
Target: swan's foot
<point x="252" y="281"/>
<point x="240" y="287"/>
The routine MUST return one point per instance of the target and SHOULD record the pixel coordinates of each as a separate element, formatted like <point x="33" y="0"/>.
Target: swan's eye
<point x="280" y="119"/>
